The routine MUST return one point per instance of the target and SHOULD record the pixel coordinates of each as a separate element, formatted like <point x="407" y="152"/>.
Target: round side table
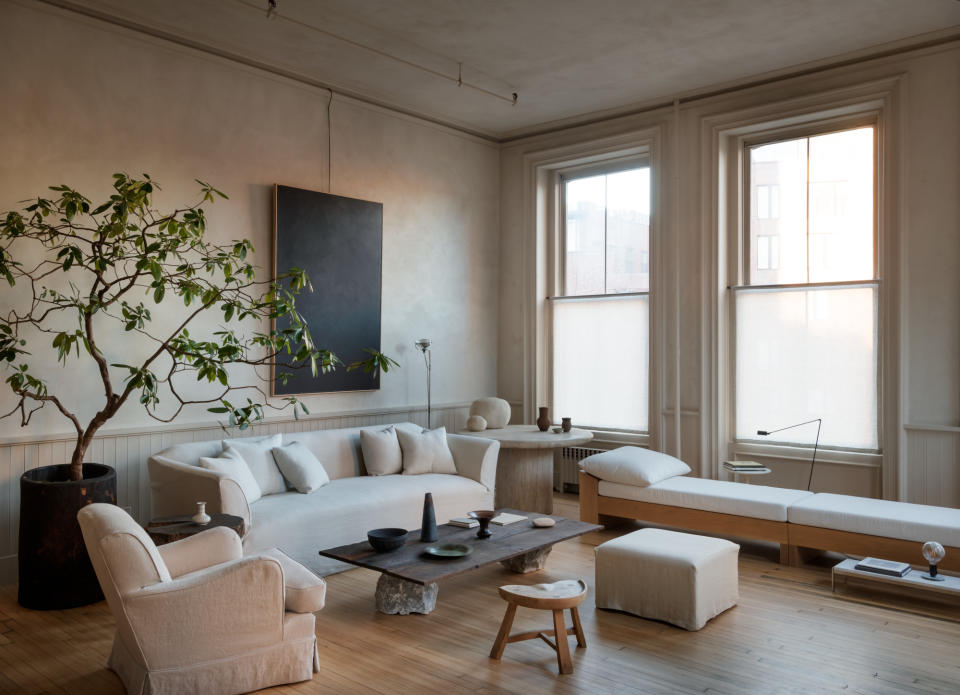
<point x="167" y="529"/>
<point x="525" y="466"/>
<point x="737" y="474"/>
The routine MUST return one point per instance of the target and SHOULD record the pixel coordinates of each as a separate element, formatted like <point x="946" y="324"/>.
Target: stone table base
<point x="400" y="597"/>
<point x="528" y="562"/>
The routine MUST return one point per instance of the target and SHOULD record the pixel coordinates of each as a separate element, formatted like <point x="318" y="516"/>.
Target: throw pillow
<point x="631" y="465"/>
<point x="256" y="452"/>
<point x="426" y="452"/>
<point x="231" y="465"/>
<point x="381" y="451"/>
<point x="300" y="467"/>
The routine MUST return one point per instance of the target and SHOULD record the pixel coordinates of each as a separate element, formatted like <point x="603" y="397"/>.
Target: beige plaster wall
<point x="83" y="100"/>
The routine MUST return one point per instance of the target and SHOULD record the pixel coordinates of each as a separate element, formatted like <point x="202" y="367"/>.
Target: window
<point x="768" y="202"/>
<point x="806" y="314"/>
<point x="768" y="252"/>
<point x="601" y="318"/>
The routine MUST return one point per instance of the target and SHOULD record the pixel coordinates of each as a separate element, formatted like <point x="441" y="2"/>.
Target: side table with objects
<point x="525" y="467"/>
<point x="744" y="468"/>
<point x="167" y="529"/>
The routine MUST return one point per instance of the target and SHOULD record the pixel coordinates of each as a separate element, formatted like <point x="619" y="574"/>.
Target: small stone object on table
<point x="525" y="466"/>
<point x="168" y="529"/>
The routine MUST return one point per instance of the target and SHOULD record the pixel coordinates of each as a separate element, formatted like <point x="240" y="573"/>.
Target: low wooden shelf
<point x="912" y="580"/>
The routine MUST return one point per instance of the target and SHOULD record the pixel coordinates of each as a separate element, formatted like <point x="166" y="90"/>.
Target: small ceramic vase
<point x="543" y="422"/>
<point x="428" y="529"/>
<point x="201" y="517"/>
<point x="565" y="424"/>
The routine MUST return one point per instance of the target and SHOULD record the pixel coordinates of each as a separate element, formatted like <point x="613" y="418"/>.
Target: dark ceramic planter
<point x="54" y="568"/>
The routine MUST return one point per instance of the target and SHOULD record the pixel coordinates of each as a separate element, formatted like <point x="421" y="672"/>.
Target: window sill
<point x="801" y="454"/>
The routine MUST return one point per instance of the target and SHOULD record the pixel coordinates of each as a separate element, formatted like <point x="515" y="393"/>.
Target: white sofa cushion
<point x="632" y="465"/>
<point x="755" y="501"/>
<point x="256" y="452"/>
<point x="381" y="451"/>
<point x="234" y="467"/>
<point x="426" y="452"/>
<point x="300" y="467"/>
<point x="909" y="522"/>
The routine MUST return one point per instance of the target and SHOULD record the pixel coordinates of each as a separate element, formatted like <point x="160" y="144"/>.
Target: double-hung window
<point x="806" y="312"/>
<point x="601" y="319"/>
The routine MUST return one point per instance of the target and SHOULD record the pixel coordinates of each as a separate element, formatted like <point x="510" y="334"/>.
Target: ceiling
<point x="565" y="59"/>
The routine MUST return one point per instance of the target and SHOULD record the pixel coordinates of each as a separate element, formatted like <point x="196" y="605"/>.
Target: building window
<point x="601" y="318"/>
<point x="806" y="313"/>
<point x="768" y="202"/>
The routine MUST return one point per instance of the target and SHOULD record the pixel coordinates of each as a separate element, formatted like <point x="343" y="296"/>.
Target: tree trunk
<point x="83" y="442"/>
<point x="76" y="461"/>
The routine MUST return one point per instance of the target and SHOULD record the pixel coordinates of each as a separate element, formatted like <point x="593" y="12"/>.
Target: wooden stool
<point x="555" y="597"/>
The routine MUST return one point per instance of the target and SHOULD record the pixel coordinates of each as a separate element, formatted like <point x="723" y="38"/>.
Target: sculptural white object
<point x="476" y="423"/>
<point x="495" y="411"/>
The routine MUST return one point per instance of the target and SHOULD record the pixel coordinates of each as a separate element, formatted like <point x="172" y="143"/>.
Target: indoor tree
<point x="80" y="267"/>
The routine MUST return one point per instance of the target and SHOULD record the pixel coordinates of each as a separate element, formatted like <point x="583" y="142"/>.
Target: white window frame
<point x="562" y="176"/>
<point x="822" y="114"/>
<point x="540" y="221"/>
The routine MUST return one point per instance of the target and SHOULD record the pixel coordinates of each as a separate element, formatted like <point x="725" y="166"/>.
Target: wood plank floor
<point x="788" y="634"/>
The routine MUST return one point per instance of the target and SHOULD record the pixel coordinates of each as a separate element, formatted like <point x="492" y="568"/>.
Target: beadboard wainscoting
<point x="127" y="452"/>
<point x="932" y="468"/>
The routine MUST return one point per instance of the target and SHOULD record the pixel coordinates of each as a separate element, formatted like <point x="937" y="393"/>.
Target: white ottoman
<point x="679" y="578"/>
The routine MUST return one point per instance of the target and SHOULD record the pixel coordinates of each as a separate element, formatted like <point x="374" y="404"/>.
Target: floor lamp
<point x="816" y="442"/>
<point x="423" y="345"/>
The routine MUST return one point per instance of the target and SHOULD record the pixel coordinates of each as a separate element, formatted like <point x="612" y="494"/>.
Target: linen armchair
<point x="195" y="615"/>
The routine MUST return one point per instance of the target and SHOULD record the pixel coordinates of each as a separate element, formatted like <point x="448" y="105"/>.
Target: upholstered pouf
<point x="680" y="578"/>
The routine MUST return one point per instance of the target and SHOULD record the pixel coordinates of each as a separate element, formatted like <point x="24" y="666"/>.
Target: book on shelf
<point x="743" y="465"/>
<point x="464" y="521"/>
<point x="885" y="567"/>
<point x="505" y="518"/>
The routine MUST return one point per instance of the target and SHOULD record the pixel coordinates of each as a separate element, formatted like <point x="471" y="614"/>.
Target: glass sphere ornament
<point x="933" y="553"/>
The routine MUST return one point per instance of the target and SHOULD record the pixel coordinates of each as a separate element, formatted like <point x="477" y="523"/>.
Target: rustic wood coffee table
<point x="408" y="579"/>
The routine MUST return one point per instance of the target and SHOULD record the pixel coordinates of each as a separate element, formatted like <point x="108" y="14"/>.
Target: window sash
<point x="807" y="131"/>
<point x="591" y="355"/>
<point x="802" y="437"/>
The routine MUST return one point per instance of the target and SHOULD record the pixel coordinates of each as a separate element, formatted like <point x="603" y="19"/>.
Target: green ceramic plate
<point x="448" y="550"/>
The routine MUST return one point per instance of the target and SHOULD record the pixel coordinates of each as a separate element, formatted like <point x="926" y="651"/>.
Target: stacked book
<point x="743" y="466"/>
<point x="464" y="522"/>
<point x="884" y="567"/>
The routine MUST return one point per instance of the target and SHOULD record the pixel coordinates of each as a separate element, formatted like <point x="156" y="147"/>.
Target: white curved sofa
<point x="340" y="512"/>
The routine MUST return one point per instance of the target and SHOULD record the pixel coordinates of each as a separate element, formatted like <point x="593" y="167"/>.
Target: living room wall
<point x="921" y="459"/>
<point x="83" y="99"/>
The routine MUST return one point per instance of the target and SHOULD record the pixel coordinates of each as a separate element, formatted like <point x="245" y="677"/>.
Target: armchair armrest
<point x="210" y="614"/>
<point x="176" y="488"/>
<point x="475" y="458"/>
<point x="206" y="549"/>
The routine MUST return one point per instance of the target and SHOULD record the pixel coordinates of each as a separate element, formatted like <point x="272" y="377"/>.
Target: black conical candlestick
<point x="428" y="529"/>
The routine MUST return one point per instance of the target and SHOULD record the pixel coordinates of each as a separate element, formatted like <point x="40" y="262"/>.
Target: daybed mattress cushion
<point x="902" y="520"/>
<point x="754" y="501"/>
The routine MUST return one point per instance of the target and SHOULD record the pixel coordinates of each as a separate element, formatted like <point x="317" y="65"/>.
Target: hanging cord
<point x="273" y="13"/>
<point x="329" y="146"/>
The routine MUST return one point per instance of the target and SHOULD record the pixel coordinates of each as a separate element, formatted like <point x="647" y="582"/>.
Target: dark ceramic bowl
<point x="384" y="540"/>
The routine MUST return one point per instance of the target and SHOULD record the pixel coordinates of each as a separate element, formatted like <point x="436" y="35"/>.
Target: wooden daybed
<point x="844" y="519"/>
